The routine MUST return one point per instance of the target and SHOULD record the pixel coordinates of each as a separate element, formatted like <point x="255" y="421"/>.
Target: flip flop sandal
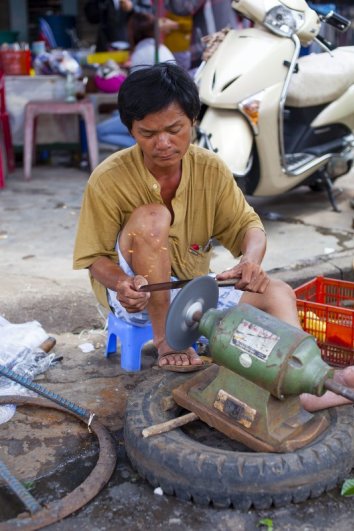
<point x="180" y="368"/>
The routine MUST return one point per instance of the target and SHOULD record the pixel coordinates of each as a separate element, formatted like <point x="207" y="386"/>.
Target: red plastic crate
<point x="326" y="310"/>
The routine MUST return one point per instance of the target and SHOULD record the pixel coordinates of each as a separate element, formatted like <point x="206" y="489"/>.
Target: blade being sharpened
<point x="174" y="284"/>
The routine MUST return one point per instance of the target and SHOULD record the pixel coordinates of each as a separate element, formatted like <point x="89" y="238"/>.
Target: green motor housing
<point x="279" y="357"/>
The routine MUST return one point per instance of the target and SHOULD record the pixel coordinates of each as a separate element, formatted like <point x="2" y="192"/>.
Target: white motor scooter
<point x="278" y="119"/>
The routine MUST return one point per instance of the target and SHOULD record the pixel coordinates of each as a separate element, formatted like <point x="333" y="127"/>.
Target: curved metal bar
<point x="85" y="492"/>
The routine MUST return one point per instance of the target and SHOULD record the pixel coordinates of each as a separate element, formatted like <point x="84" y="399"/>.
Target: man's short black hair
<point x="154" y="88"/>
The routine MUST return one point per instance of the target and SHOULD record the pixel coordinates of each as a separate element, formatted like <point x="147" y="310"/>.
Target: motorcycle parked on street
<point x="277" y="118"/>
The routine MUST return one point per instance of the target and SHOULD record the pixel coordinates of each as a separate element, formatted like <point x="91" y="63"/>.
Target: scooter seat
<point x="321" y="78"/>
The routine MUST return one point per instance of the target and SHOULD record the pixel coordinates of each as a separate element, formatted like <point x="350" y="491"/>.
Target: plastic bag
<point x="58" y="62"/>
<point x="20" y="352"/>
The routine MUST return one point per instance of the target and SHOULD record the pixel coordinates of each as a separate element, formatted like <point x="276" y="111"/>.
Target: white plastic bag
<point x="20" y="352"/>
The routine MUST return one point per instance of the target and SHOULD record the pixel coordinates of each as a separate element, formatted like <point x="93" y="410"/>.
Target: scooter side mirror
<point x="337" y="21"/>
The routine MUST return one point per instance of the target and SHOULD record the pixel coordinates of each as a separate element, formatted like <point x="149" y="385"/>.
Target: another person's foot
<point x="329" y="399"/>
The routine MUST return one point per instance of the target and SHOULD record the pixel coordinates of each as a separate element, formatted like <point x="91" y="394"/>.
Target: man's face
<point x="163" y="137"/>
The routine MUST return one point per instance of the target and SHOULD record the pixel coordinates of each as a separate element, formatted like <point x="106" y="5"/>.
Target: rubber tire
<point x="193" y="471"/>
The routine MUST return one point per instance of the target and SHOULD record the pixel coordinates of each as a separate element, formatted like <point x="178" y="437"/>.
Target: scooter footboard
<point x="227" y="133"/>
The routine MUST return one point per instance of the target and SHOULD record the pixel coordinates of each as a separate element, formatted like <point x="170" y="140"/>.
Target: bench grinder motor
<point x="261" y="366"/>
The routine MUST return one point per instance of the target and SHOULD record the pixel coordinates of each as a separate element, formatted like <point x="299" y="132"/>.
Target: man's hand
<point x="251" y="276"/>
<point x="126" y="5"/>
<point x="129" y="296"/>
<point x="167" y="25"/>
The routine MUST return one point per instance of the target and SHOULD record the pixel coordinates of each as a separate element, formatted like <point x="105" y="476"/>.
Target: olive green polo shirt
<point x="208" y="204"/>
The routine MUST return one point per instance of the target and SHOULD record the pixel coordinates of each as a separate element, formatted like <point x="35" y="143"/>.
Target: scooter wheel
<point x="196" y="463"/>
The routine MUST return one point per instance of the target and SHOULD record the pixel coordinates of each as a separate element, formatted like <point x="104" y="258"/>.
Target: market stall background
<point x="27" y="21"/>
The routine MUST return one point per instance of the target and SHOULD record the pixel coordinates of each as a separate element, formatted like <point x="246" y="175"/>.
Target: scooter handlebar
<point x="326" y="45"/>
<point x="336" y="20"/>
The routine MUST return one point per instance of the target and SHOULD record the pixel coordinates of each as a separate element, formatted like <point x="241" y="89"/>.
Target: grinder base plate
<point x="265" y="424"/>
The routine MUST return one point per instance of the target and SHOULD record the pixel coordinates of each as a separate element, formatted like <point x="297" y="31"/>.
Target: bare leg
<point x="144" y="245"/>
<point x="278" y="300"/>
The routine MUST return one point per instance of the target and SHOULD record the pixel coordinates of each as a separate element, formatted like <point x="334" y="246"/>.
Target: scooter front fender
<point x="230" y="136"/>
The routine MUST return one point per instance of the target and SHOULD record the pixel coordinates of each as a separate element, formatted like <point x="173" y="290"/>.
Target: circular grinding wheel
<point x="199" y="295"/>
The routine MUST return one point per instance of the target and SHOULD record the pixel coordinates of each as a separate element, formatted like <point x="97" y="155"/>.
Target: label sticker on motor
<point x="254" y="340"/>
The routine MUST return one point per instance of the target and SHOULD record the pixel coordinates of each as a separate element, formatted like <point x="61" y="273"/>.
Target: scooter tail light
<point x="250" y="107"/>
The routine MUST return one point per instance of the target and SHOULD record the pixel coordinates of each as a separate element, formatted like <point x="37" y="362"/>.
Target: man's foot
<point x="329" y="399"/>
<point x="184" y="361"/>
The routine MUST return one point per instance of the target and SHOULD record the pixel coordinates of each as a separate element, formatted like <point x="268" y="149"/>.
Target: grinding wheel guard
<point x="198" y="296"/>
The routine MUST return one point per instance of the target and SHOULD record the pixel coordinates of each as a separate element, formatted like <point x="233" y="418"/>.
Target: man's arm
<point x="113" y="277"/>
<point x="253" y="246"/>
<point x="107" y="272"/>
<point x="249" y="271"/>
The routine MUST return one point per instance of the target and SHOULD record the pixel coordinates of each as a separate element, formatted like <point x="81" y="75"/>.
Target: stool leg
<point x="130" y="351"/>
<point x="83" y="144"/>
<point x="91" y="135"/>
<point x="8" y="142"/>
<point x="28" y="143"/>
<point x="111" y="345"/>
<point x="2" y="169"/>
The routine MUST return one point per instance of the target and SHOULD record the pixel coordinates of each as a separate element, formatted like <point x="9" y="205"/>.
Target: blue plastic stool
<point x="132" y="339"/>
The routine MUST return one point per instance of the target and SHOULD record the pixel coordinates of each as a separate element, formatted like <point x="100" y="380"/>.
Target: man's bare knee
<point x="148" y="223"/>
<point x="281" y="302"/>
<point x="148" y="220"/>
<point x="146" y="235"/>
<point x="278" y="300"/>
<point x="278" y="294"/>
<point x="281" y="292"/>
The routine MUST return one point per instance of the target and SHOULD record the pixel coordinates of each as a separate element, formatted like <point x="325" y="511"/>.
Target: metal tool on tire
<point x="262" y="365"/>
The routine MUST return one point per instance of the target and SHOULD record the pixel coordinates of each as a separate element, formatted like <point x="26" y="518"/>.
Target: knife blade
<point x="175" y="284"/>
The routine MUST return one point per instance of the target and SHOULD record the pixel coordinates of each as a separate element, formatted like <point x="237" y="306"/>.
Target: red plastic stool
<point x="82" y="108"/>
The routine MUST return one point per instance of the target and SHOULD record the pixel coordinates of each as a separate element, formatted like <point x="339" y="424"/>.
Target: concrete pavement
<point x="37" y="227"/>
